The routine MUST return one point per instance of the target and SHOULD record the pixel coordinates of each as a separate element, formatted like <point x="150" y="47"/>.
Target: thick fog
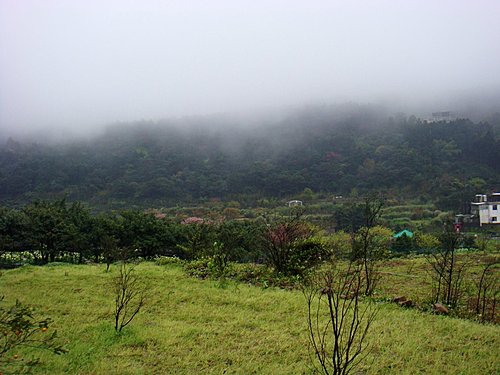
<point x="75" y="65"/>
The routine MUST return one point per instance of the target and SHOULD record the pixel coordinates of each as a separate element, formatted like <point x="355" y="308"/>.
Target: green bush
<point x="20" y="327"/>
<point x="165" y="260"/>
<point x="249" y="273"/>
<point x="198" y="268"/>
<point x="252" y="273"/>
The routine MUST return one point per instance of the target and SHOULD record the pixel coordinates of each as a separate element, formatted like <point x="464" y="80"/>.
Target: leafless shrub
<point x="486" y="290"/>
<point x="367" y="249"/>
<point x="447" y="272"/>
<point x="129" y="296"/>
<point x="338" y="324"/>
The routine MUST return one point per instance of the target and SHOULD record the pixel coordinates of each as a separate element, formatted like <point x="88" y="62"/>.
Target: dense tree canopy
<point x="163" y="164"/>
<point x="58" y="230"/>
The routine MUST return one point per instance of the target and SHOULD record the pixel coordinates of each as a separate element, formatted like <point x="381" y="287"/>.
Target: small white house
<point x="294" y="203"/>
<point x="487" y="208"/>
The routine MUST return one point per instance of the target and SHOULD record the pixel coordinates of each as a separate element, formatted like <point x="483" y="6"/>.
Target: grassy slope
<point x="192" y="326"/>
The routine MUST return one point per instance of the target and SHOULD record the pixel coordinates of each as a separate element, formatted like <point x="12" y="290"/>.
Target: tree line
<point x="52" y="230"/>
<point x="57" y="230"/>
<point x="147" y="165"/>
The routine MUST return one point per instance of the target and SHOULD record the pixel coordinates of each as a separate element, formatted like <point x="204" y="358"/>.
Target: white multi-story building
<point x="486" y="208"/>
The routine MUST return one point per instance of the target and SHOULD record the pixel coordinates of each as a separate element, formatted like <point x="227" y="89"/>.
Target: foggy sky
<point x="78" y="64"/>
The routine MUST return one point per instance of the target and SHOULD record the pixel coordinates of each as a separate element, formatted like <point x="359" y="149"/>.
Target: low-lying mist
<point x="67" y="69"/>
<point x="244" y="124"/>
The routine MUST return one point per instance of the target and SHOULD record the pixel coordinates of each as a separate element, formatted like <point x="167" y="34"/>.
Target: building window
<point x="494" y="218"/>
<point x="494" y="207"/>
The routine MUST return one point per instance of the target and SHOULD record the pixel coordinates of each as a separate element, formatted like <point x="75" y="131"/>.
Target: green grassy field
<point x="192" y="326"/>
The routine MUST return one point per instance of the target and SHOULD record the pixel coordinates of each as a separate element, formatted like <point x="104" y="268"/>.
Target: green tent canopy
<point x="405" y="232"/>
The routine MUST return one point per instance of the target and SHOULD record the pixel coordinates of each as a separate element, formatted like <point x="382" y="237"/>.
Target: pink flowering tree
<point x="291" y="248"/>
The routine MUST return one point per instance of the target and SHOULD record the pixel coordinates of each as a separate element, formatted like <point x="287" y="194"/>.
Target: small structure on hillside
<point x="442" y="116"/>
<point x="462" y="220"/>
<point x="294" y="203"/>
<point x="403" y="242"/>
<point x="404" y="232"/>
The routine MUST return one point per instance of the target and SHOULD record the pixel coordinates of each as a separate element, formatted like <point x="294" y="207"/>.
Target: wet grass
<point x="192" y="326"/>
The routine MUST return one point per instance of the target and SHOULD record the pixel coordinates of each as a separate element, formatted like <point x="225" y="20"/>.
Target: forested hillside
<point x="166" y="163"/>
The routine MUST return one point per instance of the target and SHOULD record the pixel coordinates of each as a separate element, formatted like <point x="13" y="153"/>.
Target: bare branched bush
<point x="368" y="246"/>
<point x="129" y="296"/>
<point x="448" y="272"/>
<point x="338" y="323"/>
<point x="486" y="290"/>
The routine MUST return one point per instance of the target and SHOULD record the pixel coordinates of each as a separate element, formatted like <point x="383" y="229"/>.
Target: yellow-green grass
<point x="412" y="276"/>
<point x="409" y="277"/>
<point x="191" y="326"/>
